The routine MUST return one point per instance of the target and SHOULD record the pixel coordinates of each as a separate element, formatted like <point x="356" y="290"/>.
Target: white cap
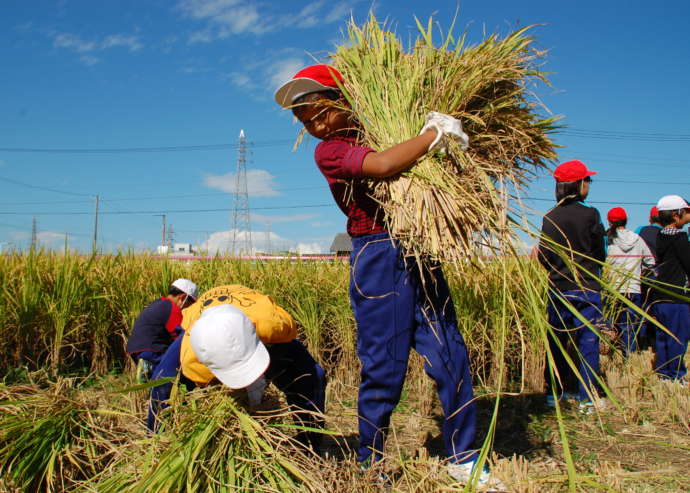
<point x="187" y="287"/>
<point x="672" y="203"/>
<point x="225" y="340"/>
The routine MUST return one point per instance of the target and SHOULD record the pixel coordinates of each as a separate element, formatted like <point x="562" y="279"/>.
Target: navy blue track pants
<point x="568" y="327"/>
<point x="629" y="324"/>
<point x="292" y="370"/>
<point x="394" y="312"/>
<point x="669" y="351"/>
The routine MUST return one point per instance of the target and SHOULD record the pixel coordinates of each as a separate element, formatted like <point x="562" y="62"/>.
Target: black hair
<point x="174" y="291"/>
<point x="567" y="191"/>
<point x="654" y="219"/>
<point x="313" y="97"/>
<point x="666" y="217"/>
<point x="612" y="232"/>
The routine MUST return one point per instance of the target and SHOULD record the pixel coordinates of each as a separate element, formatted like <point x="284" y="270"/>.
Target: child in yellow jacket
<point x="243" y="339"/>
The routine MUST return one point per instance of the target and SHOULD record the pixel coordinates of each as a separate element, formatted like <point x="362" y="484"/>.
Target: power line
<point x="627" y="136"/>
<point x="125" y="150"/>
<point x="637" y="157"/>
<point x="48" y="189"/>
<point x="153" y="197"/>
<point x="540" y="199"/>
<point x="181" y="211"/>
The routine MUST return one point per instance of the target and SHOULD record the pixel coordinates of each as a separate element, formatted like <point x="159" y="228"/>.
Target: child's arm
<point x="400" y="157"/>
<point x="397" y="158"/>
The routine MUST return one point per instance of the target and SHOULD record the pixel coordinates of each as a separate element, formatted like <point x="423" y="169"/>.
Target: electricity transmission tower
<point x="241" y="227"/>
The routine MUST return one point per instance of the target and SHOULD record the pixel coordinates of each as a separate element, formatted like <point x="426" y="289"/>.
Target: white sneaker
<point x="462" y="473"/>
<point x="589" y="407"/>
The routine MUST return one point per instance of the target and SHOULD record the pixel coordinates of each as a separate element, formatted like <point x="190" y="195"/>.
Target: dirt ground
<point x="640" y="443"/>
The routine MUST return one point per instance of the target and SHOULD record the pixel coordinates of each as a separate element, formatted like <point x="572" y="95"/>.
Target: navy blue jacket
<point x="156" y="327"/>
<point x="649" y="234"/>
<point x="576" y="227"/>
<point x="673" y="266"/>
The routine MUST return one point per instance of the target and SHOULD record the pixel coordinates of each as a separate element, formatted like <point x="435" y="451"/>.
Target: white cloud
<point x="282" y="70"/>
<point x="259" y="183"/>
<point x="241" y="80"/>
<point x="86" y="48"/>
<point x="225" y="18"/>
<point x="89" y="59"/>
<point x="74" y="43"/>
<point x="309" y="248"/>
<point x="221" y="242"/>
<point x="131" y="42"/>
<point x="339" y="11"/>
<point x="321" y="224"/>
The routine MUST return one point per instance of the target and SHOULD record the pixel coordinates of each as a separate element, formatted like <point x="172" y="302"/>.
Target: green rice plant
<point x="22" y="305"/>
<point x="68" y="289"/>
<point x="211" y="444"/>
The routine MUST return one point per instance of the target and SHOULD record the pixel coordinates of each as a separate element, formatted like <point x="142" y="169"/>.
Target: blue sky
<point x="115" y="76"/>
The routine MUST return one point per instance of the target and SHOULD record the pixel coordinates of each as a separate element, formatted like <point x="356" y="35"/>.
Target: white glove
<point x="255" y="392"/>
<point x="445" y="126"/>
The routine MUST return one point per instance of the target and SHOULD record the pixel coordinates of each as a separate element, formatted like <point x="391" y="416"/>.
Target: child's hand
<point x="255" y="392"/>
<point x="445" y="126"/>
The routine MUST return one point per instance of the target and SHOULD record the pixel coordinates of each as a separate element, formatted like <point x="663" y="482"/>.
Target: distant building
<point x="183" y="249"/>
<point x="342" y="244"/>
<point x="177" y="249"/>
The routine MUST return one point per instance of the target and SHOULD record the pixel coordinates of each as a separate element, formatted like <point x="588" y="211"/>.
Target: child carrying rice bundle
<point x="437" y="208"/>
<point x="398" y="307"/>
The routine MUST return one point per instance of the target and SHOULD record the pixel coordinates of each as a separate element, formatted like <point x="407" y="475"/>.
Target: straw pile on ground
<point x="447" y="203"/>
<point x="56" y="435"/>
<point x="210" y="443"/>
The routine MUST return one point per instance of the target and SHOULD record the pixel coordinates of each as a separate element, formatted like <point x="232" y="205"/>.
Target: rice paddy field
<point x="72" y="417"/>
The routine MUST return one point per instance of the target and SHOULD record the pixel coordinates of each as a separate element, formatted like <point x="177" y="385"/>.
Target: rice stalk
<point x="443" y="205"/>
<point x="52" y="439"/>
<point x="212" y="444"/>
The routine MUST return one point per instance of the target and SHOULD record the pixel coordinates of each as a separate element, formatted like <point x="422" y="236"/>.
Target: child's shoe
<point x="551" y="401"/>
<point x="462" y="473"/>
<point x="588" y="407"/>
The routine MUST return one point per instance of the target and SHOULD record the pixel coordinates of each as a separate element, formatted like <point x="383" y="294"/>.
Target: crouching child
<point x="241" y="338"/>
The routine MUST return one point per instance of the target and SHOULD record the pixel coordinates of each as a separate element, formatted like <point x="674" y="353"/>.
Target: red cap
<point x="617" y="214"/>
<point x="310" y="79"/>
<point x="572" y="171"/>
<point x="653" y="212"/>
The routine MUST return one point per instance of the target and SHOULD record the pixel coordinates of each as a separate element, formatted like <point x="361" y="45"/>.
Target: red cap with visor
<point x="572" y="171"/>
<point x="310" y="79"/>
<point x="654" y="212"/>
<point x="617" y="214"/>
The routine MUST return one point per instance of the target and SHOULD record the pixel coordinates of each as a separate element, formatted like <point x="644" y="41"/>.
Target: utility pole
<point x="240" y="215"/>
<point x="34" y="234"/>
<point x="268" y="237"/>
<point x="95" y="226"/>
<point x="163" y="233"/>
<point x="170" y="237"/>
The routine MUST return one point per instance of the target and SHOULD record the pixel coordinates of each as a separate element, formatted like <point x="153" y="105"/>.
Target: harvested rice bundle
<point x="53" y="438"/>
<point x="439" y="207"/>
<point x="212" y="444"/>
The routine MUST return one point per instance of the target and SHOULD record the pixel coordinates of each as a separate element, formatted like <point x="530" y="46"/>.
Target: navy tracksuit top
<point x="155" y="328"/>
<point x="578" y="228"/>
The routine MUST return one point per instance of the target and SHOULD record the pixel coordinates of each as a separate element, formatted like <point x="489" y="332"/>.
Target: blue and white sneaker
<point x="551" y="400"/>
<point x="590" y="407"/>
<point x="463" y="474"/>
